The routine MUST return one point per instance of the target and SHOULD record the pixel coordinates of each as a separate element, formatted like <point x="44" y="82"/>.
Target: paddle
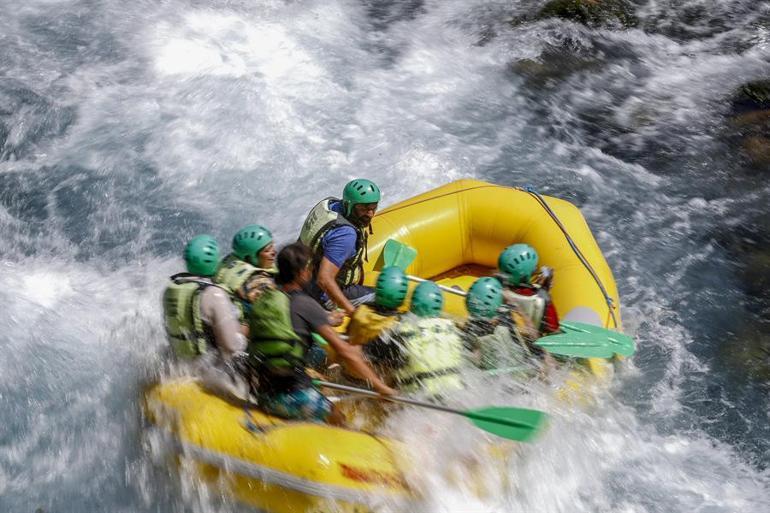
<point x="401" y="255"/>
<point x="398" y="254"/>
<point x="451" y="290"/>
<point x="518" y="424"/>
<point x="581" y="340"/>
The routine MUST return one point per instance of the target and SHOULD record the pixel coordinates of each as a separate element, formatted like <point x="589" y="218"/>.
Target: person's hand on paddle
<point x="353" y="360"/>
<point x="383" y="389"/>
<point x="336" y="317"/>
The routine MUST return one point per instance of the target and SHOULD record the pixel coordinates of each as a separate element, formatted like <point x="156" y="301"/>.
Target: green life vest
<point x="319" y="221"/>
<point x="182" y="316"/>
<point x="433" y="351"/>
<point x="233" y="273"/>
<point x="273" y="343"/>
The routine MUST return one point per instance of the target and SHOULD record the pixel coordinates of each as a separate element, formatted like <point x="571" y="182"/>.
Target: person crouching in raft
<point x="491" y="332"/>
<point x="250" y="268"/>
<point x="336" y="232"/>
<point x="281" y="336"/>
<point x="199" y="315"/>
<point x="370" y="321"/>
<point x="423" y="351"/>
<point x="532" y="302"/>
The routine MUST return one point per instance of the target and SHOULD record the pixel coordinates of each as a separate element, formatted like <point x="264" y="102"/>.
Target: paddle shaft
<point x="422" y="404"/>
<point x="393" y="398"/>
<point x="451" y="290"/>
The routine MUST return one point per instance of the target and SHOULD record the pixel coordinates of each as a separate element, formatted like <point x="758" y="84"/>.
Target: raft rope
<point x="607" y="298"/>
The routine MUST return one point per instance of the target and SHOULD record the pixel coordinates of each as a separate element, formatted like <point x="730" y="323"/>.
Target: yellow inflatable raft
<point x="275" y="465"/>
<point x="459" y="230"/>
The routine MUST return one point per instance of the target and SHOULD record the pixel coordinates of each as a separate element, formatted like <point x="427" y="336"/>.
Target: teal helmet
<point x="359" y="191"/>
<point x="427" y="300"/>
<point x="484" y="297"/>
<point x="250" y="240"/>
<point x="517" y="263"/>
<point x="391" y="288"/>
<point x="201" y="255"/>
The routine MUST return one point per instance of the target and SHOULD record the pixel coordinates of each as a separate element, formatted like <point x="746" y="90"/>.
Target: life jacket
<point x="531" y="306"/>
<point x="499" y="350"/>
<point x="241" y="279"/>
<point x="367" y="324"/>
<point x="319" y="221"/>
<point x="188" y="334"/>
<point x="433" y="351"/>
<point x="273" y="344"/>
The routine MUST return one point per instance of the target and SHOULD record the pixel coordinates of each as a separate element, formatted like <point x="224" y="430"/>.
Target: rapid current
<point x="127" y="127"/>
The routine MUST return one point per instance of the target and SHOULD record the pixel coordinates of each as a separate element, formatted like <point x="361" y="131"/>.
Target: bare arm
<point x="353" y="361"/>
<point x="327" y="280"/>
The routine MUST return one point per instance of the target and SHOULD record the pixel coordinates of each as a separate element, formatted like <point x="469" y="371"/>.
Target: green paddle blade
<point x="575" y="345"/>
<point x="581" y="340"/>
<point x="518" y="424"/>
<point x="620" y="343"/>
<point x="398" y="254"/>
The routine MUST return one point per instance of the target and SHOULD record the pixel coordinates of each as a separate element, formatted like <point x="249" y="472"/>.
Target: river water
<point x="127" y="127"/>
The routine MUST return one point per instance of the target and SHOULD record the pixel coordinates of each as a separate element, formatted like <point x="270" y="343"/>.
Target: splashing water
<point x="126" y="128"/>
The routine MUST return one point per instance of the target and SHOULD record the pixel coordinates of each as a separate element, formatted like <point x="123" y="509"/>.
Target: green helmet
<point x="517" y="263"/>
<point x="427" y="300"/>
<point x="484" y="297"/>
<point x="201" y="255"/>
<point x="391" y="288"/>
<point x="359" y="191"/>
<point x="250" y="240"/>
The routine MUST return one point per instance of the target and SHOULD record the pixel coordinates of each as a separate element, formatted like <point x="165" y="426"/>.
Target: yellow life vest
<point x="434" y="353"/>
<point x="367" y="324"/>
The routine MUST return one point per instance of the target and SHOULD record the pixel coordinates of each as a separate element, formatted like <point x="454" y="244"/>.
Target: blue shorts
<point x="301" y="404"/>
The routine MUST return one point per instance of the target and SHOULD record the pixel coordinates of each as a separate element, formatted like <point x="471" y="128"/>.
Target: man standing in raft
<point x="336" y="232"/>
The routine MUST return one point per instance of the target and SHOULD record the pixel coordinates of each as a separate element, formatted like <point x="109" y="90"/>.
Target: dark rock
<point x="756" y="273"/>
<point x="591" y="13"/>
<point x="750" y="121"/>
<point x="749" y="354"/>
<point x="753" y="96"/>
<point x="553" y="67"/>
<point x="758" y="149"/>
<point x="748" y="246"/>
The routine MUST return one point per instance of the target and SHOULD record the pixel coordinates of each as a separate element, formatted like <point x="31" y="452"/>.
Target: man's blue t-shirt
<point x="339" y="244"/>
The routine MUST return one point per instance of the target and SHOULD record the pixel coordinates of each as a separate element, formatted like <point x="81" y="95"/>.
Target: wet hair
<point x="291" y="260"/>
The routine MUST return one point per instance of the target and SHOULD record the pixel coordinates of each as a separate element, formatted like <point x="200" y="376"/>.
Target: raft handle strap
<point x="610" y="303"/>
